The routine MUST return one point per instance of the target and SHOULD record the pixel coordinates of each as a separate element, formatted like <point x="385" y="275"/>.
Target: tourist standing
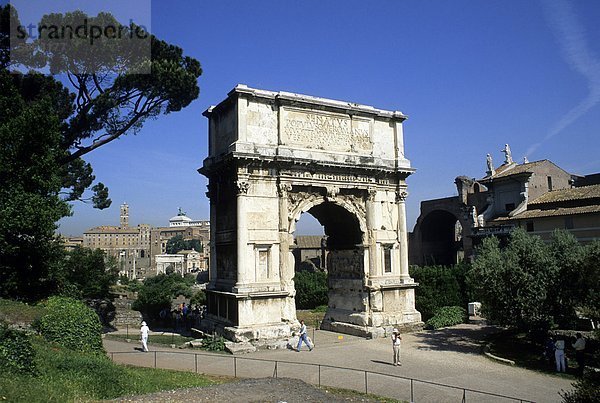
<point x="144" y="332"/>
<point x="559" y="355"/>
<point x="396" y="338"/>
<point x="549" y="351"/>
<point x="579" y="347"/>
<point x="302" y="336"/>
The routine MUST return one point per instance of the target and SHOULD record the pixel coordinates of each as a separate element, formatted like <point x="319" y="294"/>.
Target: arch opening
<point x="343" y="259"/>
<point x="441" y="238"/>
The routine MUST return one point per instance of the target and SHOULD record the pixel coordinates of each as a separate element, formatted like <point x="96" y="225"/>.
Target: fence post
<point x="412" y="398"/>
<point x="366" y="384"/>
<point x="155" y="359"/>
<point x="112" y="356"/>
<point x="464" y="396"/>
<point x="127" y="331"/>
<point x="319" y="374"/>
<point x="275" y="369"/>
<point x="234" y="367"/>
<point x="196" y="362"/>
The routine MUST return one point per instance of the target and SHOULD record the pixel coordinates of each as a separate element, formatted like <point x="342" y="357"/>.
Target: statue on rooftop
<point x="508" y="156"/>
<point x="490" y="165"/>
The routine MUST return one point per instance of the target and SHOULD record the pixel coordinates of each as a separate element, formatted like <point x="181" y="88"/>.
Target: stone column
<point x="286" y="272"/>
<point x="370" y="207"/>
<point x="212" y="197"/>
<point x="402" y="233"/>
<point x="242" y="233"/>
<point x="286" y="266"/>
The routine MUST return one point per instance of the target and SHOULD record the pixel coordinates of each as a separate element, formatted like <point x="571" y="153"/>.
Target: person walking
<point x="302" y="336"/>
<point x="396" y="338"/>
<point x="559" y="355"/>
<point x="579" y="347"/>
<point x="144" y="332"/>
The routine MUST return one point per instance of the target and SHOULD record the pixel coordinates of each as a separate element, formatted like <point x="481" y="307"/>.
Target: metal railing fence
<point x="314" y="377"/>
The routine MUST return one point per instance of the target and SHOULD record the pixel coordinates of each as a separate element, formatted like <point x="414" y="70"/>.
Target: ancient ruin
<point x="276" y="155"/>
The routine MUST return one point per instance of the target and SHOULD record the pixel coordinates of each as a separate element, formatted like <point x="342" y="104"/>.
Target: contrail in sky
<point x="576" y="53"/>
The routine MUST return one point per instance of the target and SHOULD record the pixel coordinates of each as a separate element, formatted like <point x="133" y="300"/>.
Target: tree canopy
<point x="531" y="285"/>
<point x="178" y="243"/>
<point x="47" y="125"/>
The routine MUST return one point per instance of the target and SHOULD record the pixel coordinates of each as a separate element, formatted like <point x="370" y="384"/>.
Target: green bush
<point x="586" y="389"/>
<point x="16" y="351"/>
<point x="311" y="289"/>
<point x="447" y="316"/>
<point x="215" y="343"/>
<point x="157" y="292"/>
<point x="439" y="286"/>
<point x="319" y="309"/>
<point x="71" y="324"/>
<point x="70" y="376"/>
<point x="199" y="298"/>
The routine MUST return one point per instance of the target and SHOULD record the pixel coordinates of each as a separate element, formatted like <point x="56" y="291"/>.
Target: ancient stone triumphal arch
<point x="272" y="157"/>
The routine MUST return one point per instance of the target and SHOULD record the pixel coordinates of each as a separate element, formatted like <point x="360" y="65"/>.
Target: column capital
<point x="242" y="186"/>
<point x="401" y="195"/>
<point x="283" y="189"/>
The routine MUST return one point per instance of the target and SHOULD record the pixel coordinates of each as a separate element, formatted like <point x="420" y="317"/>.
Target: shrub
<point x="319" y="309"/>
<point x="70" y="323"/>
<point x="439" y="286"/>
<point x="311" y="289"/>
<point x="157" y="292"/>
<point x="16" y="351"/>
<point x="199" y="298"/>
<point x="215" y="343"/>
<point x="586" y="389"/>
<point x="447" y="316"/>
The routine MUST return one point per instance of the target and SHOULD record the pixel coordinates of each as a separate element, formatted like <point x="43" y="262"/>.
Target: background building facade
<point x="538" y="196"/>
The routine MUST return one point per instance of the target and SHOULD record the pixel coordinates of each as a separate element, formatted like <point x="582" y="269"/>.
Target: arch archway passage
<point x="439" y="241"/>
<point x="276" y="155"/>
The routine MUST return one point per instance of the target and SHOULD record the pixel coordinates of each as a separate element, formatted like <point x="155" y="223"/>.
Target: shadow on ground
<point x="467" y="339"/>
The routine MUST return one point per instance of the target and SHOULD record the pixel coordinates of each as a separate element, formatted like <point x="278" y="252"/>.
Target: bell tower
<point x="124" y="219"/>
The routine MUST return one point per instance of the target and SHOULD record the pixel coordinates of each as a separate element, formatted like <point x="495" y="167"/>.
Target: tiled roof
<point x="579" y="193"/>
<point x="504" y="171"/>
<point x="309" y="241"/>
<point x="110" y="229"/>
<point x="559" y="211"/>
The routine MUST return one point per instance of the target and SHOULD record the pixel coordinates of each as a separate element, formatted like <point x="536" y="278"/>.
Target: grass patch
<point x="19" y="312"/>
<point x="312" y="318"/>
<point x="65" y="375"/>
<point x="156" y="339"/>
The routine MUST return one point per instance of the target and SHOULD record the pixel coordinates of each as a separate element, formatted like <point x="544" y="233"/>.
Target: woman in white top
<point x="396" y="346"/>
<point x="559" y="355"/>
<point x="144" y="331"/>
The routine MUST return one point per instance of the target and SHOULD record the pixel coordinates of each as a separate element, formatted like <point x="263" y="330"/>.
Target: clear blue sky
<point x="471" y="76"/>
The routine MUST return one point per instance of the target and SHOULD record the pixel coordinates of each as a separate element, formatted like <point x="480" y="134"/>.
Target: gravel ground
<point x="249" y="390"/>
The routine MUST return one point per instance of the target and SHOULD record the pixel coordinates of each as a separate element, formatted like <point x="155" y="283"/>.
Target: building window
<point x="569" y="223"/>
<point x="529" y="226"/>
<point x="387" y="258"/>
<point x="549" y="184"/>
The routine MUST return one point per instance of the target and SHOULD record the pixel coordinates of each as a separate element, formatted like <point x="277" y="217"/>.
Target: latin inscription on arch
<point x="326" y="131"/>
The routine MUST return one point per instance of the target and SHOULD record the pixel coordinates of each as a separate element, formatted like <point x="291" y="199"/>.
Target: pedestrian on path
<point x="144" y="332"/>
<point x="396" y="338"/>
<point x="302" y="336"/>
<point x="579" y="347"/>
<point x="559" y="355"/>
